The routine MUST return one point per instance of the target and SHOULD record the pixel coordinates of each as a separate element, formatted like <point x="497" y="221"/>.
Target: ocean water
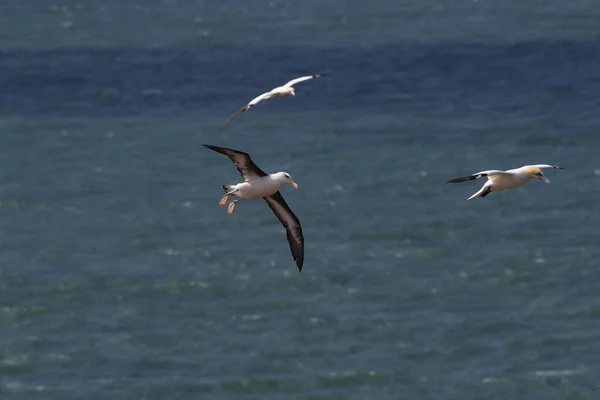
<point x="122" y="278"/>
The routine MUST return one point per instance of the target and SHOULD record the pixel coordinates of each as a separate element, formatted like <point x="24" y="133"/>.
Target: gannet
<point x="280" y="91"/>
<point x="502" y="180"/>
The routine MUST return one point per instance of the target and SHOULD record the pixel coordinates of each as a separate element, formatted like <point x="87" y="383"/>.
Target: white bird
<point x="502" y="180"/>
<point x="257" y="184"/>
<point x="280" y="91"/>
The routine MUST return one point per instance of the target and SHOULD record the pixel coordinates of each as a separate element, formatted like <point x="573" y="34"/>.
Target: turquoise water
<point x="122" y="278"/>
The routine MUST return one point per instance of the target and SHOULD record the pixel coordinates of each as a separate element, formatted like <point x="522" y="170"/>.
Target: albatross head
<point x="537" y="173"/>
<point x="286" y="178"/>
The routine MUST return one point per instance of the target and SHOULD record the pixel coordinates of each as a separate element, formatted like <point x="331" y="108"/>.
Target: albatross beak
<point x="294" y="184"/>
<point x="543" y="179"/>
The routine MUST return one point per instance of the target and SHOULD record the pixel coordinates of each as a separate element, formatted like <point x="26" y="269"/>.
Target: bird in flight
<point x="502" y="180"/>
<point x="258" y="184"/>
<point x="280" y="91"/>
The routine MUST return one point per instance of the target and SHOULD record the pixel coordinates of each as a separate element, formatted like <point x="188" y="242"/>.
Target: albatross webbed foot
<point x="223" y="200"/>
<point x="231" y="206"/>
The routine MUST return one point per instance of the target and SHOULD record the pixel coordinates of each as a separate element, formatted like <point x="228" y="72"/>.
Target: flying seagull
<point x="281" y="91"/>
<point x="258" y="184"/>
<point x="502" y="180"/>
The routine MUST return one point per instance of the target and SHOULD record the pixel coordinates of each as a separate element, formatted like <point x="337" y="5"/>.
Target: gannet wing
<point x="302" y="79"/>
<point x="478" y="175"/>
<point x="252" y="103"/>
<point x="547" y="166"/>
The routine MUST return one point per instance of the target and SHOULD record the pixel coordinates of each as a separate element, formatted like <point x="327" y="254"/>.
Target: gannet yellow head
<point x="537" y="173"/>
<point x="290" y="90"/>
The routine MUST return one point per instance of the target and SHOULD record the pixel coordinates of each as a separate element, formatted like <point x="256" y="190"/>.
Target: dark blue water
<point x="121" y="277"/>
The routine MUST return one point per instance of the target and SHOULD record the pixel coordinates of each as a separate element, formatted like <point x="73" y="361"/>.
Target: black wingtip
<point x="558" y="167"/>
<point x="299" y="262"/>
<point x="213" y="148"/>
<point x="462" y="179"/>
<point x="221" y="150"/>
<point x="218" y="149"/>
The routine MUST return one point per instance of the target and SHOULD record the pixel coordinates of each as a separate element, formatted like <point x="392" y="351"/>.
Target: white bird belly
<point x="257" y="188"/>
<point x="503" y="182"/>
<point x="279" y="92"/>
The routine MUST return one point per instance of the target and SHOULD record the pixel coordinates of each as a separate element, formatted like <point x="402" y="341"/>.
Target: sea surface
<point x="122" y="278"/>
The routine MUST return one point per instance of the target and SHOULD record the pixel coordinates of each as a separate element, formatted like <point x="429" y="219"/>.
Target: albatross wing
<point x="291" y="224"/>
<point x="302" y="79"/>
<point x="242" y="162"/>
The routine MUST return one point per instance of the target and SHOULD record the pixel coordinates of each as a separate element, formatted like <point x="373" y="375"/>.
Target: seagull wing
<point x="548" y="166"/>
<point x="252" y="103"/>
<point x="478" y="175"/>
<point x="242" y="162"/>
<point x="291" y="224"/>
<point x="302" y="79"/>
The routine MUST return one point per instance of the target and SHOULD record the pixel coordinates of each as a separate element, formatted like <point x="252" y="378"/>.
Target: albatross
<point x="280" y="91"/>
<point x="502" y="180"/>
<point x="257" y="184"/>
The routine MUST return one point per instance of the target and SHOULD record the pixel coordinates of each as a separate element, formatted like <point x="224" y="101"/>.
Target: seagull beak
<point x="294" y="184"/>
<point x="543" y="179"/>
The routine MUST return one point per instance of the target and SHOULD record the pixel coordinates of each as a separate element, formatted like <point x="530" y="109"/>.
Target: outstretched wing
<point x="252" y="103"/>
<point x="291" y="224"/>
<point x="478" y="175"/>
<point x="302" y="79"/>
<point x="547" y="166"/>
<point x="242" y="162"/>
